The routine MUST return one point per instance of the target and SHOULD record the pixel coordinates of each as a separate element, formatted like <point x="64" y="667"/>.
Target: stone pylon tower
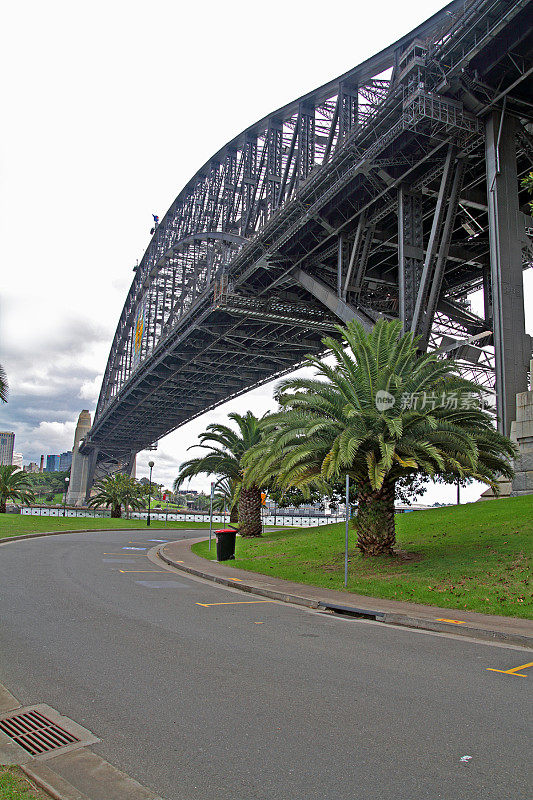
<point x="522" y="434"/>
<point x="77" y="488"/>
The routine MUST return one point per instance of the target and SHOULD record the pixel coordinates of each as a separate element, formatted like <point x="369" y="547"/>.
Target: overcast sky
<point x="108" y="109"/>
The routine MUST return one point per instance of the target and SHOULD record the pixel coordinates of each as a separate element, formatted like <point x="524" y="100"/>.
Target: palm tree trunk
<point x="374" y="522"/>
<point x="234" y="514"/>
<point x="116" y="511"/>
<point x="250" y="512"/>
<point x="2" y="506"/>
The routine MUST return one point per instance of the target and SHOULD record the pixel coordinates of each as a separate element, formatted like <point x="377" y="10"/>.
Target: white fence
<point x="174" y="516"/>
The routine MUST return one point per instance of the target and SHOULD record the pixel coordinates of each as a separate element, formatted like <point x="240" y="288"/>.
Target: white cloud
<point x="44" y="438"/>
<point x="91" y="389"/>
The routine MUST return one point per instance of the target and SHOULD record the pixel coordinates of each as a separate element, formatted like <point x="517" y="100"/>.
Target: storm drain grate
<point x="36" y="733"/>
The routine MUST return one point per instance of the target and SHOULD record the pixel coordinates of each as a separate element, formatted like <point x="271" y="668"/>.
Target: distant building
<point x="17" y="460"/>
<point x="31" y="467"/>
<point x="41" y="468"/>
<point x="65" y="461"/>
<point x="7" y="442"/>
<point x="52" y="463"/>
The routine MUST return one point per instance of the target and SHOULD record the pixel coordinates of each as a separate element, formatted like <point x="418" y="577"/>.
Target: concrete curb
<point x="459" y="630"/>
<point x="388" y="617"/>
<point x="272" y="595"/>
<point x="51" y="783"/>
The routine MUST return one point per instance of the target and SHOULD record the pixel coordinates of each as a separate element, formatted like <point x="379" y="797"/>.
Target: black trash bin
<point x="226" y="544"/>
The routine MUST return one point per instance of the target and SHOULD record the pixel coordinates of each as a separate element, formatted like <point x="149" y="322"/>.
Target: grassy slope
<point x="15" y="786"/>
<point x="473" y="557"/>
<point x="17" y="524"/>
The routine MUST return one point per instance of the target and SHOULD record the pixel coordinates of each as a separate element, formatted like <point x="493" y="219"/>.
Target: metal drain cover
<point x="36" y="733"/>
<point x="40" y="732"/>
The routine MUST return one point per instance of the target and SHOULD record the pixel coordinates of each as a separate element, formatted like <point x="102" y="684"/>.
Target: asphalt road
<point x="257" y="699"/>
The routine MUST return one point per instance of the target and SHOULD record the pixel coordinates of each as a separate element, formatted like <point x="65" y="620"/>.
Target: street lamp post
<point x="65" y="496"/>
<point x="151" y="465"/>
<point x="346" y="531"/>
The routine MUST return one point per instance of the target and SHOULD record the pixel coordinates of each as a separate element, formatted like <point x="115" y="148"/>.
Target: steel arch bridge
<point x="392" y="190"/>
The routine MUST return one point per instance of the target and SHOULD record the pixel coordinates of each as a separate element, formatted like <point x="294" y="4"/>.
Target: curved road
<point x="253" y="699"/>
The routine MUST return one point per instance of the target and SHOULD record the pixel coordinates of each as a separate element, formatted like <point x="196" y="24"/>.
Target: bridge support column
<point x="92" y="461"/>
<point x="511" y="344"/>
<point x="438" y="246"/>
<point x="77" y="487"/>
<point x="101" y="466"/>
<point x="131" y="468"/>
<point x="410" y="252"/>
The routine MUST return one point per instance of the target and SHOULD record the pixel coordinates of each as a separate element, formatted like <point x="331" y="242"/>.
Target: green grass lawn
<point x="15" y="786"/>
<point x="18" y="524"/>
<point x="475" y="557"/>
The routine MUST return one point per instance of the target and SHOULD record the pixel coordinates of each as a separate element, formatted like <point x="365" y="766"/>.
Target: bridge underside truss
<point x="391" y="191"/>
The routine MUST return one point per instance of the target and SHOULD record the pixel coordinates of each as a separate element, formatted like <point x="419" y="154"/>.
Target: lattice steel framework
<point x="366" y="197"/>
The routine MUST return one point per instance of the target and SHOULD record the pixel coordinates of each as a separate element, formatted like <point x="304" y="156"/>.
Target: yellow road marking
<point x="513" y="671"/>
<point x="237" y="603"/>
<point x="455" y="621"/>
<point x="236" y="579"/>
<point x="259" y="623"/>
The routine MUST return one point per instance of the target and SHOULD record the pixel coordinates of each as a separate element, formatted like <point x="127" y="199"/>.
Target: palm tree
<point x="226" y="448"/>
<point x="116" y="491"/>
<point x="381" y="412"/>
<point x="3" y="385"/>
<point x="226" y="496"/>
<point x="14" y="485"/>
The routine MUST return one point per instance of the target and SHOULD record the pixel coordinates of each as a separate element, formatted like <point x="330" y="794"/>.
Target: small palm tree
<point x="360" y="419"/>
<point x="3" y="385"/>
<point x="115" y="492"/>
<point x="227" y="496"/>
<point x="226" y="448"/>
<point x="14" y="485"/>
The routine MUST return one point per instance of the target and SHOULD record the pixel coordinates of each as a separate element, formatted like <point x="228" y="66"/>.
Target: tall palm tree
<point x="3" y="385"/>
<point x="226" y="448"/>
<point x="14" y="485"/>
<point x="381" y="412"/>
<point x="117" y="491"/>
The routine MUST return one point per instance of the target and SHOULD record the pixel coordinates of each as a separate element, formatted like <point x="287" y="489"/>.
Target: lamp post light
<point x="151" y="465"/>
<point x="65" y="496"/>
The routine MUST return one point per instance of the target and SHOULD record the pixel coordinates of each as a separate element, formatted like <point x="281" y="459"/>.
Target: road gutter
<point x="457" y="627"/>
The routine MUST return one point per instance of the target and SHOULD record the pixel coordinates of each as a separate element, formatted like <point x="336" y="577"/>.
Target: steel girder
<point x="367" y="195"/>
